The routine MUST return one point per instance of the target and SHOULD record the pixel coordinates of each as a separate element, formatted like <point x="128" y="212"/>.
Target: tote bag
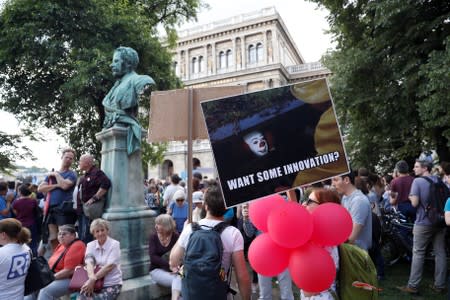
<point x="80" y="276"/>
<point x="39" y="275"/>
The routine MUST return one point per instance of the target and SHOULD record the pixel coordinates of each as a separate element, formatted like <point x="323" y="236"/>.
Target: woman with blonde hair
<point x="159" y="247"/>
<point x="15" y="258"/>
<point x="104" y="252"/>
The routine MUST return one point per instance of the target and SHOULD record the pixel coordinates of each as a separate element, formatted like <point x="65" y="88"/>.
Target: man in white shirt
<point x="171" y="189"/>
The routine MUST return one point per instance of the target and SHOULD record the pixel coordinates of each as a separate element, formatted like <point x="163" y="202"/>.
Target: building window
<point x="194" y="67"/>
<point x="222" y="60"/>
<point x="259" y="52"/>
<point x="175" y="68"/>
<point x="200" y="64"/>
<point x="229" y="58"/>
<point x="251" y="54"/>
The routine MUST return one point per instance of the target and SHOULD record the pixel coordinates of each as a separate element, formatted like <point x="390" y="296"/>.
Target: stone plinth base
<point x="131" y="221"/>
<point x="143" y="288"/>
<point x="132" y="229"/>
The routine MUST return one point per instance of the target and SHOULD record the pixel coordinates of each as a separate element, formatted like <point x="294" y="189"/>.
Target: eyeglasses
<point x="309" y="201"/>
<point x="180" y="200"/>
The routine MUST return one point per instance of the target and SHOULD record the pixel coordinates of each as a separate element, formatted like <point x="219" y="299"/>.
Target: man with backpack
<point x="208" y="250"/>
<point x="425" y="231"/>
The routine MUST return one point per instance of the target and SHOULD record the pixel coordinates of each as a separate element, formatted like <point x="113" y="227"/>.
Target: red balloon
<point x="266" y="257"/>
<point x="290" y="225"/>
<point x="259" y="210"/>
<point x="312" y="268"/>
<point x="332" y="224"/>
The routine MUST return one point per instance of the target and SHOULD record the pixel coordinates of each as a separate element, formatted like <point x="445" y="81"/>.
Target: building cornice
<point x="228" y="77"/>
<point x="244" y="23"/>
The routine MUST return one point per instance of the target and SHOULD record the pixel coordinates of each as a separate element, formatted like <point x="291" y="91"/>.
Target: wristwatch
<point x="95" y="198"/>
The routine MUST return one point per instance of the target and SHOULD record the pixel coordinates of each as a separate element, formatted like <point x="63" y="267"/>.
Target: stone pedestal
<point x="131" y="222"/>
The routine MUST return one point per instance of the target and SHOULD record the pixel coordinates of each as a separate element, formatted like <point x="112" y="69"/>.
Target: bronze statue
<point x="121" y="102"/>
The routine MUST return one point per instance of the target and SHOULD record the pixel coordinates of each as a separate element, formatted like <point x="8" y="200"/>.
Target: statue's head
<point x="125" y="60"/>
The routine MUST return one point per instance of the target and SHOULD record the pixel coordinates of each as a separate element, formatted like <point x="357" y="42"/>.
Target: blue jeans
<point x="54" y="290"/>
<point x="84" y="232"/>
<point x="423" y="235"/>
<point x="34" y="238"/>
<point x="285" y="284"/>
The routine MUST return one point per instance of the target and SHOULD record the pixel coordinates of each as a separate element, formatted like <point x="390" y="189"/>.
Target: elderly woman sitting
<point x="159" y="246"/>
<point x="104" y="252"/>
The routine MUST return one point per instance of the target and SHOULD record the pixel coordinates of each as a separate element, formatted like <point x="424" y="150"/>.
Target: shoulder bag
<point x="94" y="210"/>
<point x="39" y="275"/>
<point x="80" y="276"/>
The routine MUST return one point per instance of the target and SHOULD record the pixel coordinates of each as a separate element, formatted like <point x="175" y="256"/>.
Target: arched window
<point x="251" y="54"/>
<point x="222" y="60"/>
<point x="175" y="68"/>
<point x="229" y="58"/>
<point x="259" y="52"/>
<point x="200" y="64"/>
<point x="194" y="65"/>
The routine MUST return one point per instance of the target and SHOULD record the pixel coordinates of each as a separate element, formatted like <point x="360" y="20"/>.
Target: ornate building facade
<point x="254" y="50"/>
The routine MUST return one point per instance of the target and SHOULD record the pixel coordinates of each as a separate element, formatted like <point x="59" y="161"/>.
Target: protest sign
<point x="273" y="140"/>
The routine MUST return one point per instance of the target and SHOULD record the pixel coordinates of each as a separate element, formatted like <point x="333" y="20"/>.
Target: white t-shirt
<point x="14" y="263"/>
<point x="170" y="191"/>
<point x="231" y="237"/>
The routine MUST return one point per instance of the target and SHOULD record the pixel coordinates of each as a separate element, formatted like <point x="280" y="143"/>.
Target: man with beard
<point x="60" y="185"/>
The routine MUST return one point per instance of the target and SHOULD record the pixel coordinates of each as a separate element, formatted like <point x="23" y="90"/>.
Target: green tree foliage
<point x="55" y="56"/>
<point x="9" y="151"/>
<point x="391" y="77"/>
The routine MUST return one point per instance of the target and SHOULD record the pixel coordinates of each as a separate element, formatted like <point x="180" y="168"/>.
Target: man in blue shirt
<point x="4" y="202"/>
<point x="425" y="233"/>
<point x="60" y="184"/>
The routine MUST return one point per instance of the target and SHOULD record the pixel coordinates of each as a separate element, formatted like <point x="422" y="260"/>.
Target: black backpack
<point x="203" y="275"/>
<point x="438" y="194"/>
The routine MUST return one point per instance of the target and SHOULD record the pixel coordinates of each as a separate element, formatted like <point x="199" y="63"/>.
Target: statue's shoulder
<point x="140" y="81"/>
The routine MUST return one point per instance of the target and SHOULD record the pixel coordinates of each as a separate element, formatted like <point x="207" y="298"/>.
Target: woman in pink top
<point x="104" y="251"/>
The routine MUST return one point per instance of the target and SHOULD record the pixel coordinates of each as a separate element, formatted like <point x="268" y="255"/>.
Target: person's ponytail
<point x="24" y="236"/>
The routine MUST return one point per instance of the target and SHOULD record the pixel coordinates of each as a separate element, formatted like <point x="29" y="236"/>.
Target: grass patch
<point x="398" y="274"/>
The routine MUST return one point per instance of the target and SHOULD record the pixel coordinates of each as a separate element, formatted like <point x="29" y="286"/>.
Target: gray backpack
<point x="203" y="275"/>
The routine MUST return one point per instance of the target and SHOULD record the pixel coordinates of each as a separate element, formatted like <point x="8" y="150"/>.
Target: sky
<point x="305" y="23"/>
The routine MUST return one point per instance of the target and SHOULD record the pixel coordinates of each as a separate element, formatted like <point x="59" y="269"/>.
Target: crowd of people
<point x="364" y="194"/>
<point x="50" y="217"/>
<point x="50" y="220"/>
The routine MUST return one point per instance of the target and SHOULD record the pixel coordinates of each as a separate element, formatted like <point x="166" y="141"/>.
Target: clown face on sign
<point x="257" y="143"/>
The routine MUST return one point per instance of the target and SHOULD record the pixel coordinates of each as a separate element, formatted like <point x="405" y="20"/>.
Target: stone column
<point x="188" y="64"/>
<point x="244" y="52"/>
<point x="131" y="222"/>
<point x="214" y="58"/>
<point x="265" y="48"/>
<point x="276" y="47"/>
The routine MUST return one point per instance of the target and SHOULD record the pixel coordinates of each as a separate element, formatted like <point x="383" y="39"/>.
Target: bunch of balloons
<point x="294" y="238"/>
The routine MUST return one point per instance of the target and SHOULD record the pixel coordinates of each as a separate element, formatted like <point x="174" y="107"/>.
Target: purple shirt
<point x="25" y="210"/>
<point x="156" y="252"/>
<point x="93" y="180"/>
<point x="402" y="185"/>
